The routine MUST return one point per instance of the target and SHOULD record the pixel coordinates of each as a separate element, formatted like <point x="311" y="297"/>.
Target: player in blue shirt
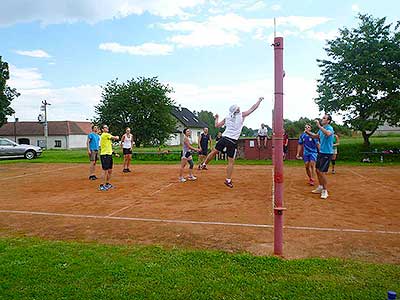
<point x="325" y="136"/>
<point x="310" y="151"/>
<point x="92" y="145"/>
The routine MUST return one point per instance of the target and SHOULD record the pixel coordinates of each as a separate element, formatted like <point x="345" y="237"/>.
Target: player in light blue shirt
<point x="310" y="151"/>
<point x="92" y="145"/>
<point x="325" y="135"/>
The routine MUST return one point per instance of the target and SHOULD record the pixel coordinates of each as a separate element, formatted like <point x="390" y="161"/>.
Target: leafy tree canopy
<point x="361" y="77"/>
<point x="141" y="104"/>
<point x="7" y="94"/>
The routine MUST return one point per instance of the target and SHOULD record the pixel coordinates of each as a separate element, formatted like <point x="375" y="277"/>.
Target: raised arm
<point x="217" y="123"/>
<point x="313" y="135"/>
<point x="326" y="132"/>
<point x="253" y="108"/>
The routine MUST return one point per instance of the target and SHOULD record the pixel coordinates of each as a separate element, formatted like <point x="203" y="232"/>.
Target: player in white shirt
<point x="233" y="128"/>
<point x="262" y="136"/>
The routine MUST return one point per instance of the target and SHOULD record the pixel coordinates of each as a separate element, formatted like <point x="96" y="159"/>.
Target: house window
<point x="58" y="144"/>
<point x="24" y="141"/>
<point x="194" y="118"/>
<point x="185" y="118"/>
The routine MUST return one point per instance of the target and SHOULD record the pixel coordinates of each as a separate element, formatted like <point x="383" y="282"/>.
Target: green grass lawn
<point x="38" y="269"/>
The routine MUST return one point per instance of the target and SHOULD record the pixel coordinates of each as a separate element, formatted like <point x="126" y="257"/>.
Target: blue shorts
<point x="310" y="157"/>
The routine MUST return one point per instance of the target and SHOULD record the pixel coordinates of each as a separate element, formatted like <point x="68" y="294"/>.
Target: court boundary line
<point x="129" y="206"/>
<point x="172" y="221"/>
<point x="36" y="173"/>
<point x="368" y="179"/>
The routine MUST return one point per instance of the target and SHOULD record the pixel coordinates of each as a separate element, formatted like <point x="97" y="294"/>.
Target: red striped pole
<point x="278" y="147"/>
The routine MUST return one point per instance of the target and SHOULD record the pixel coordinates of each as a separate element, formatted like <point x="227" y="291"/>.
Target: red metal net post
<point x="278" y="146"/>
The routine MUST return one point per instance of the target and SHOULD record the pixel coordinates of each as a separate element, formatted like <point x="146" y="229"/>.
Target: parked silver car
<point x="9" y="148"/>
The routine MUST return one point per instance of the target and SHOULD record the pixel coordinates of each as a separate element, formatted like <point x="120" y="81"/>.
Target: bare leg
<point x="92" y="167"/>
<point x="258" y="141"/>
<point x="308" y="171"/>
<point x="183" y="164"/>
<point x="229" y="169"/>
<point x="210" y="156"/>
<point x="128" y="162"/>
<point x="201" y="159"/>
<point x="312" y="169"/>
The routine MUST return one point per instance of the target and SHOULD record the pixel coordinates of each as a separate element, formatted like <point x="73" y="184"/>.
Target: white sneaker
<point x="324" y="194"/>
<point x="181" y="179"/>
<point x="192" y="177"/>
<point x="318" y="190"/>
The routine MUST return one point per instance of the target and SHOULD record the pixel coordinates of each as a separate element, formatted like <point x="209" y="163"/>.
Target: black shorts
<point x="126" y="151"/>
<point x="285" y="149"/>
<point x="106" y="161"/>
<point x="188" y="154"/>
<point x="323" y="161"/>
<point x="230" y="144"/>
<point x="204" y="151"/>
<point x="262" y="137"/>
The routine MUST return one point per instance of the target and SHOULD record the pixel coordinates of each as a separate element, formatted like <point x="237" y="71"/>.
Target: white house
<point x="61" y="134"/>
<point x="185" y="119"/>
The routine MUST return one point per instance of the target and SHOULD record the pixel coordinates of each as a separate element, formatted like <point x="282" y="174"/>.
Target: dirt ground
<point x="360" y="219"/>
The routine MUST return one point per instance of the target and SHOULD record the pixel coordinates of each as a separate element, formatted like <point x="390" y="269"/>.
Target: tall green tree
<point x="7" y="94"/>
<point x="361" y="77"/>
<point x="208" y="118"/>
<point x="143" y="104"/>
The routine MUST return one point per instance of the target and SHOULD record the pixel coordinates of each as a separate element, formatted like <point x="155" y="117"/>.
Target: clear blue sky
<point x="214" y="53"/>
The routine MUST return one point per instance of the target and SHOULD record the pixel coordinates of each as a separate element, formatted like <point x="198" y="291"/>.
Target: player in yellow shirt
<point x="106" y="152"/>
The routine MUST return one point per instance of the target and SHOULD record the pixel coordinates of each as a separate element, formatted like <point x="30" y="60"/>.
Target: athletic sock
<point x="228" y="180"/>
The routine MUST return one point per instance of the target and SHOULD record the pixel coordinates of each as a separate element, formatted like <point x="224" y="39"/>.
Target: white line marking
<point x="162" y="188"/>
<point x="129" y="206"/>
<point x="370" y="179"/>
<point x="196" y="222"/>
<point x="41" y="172"/>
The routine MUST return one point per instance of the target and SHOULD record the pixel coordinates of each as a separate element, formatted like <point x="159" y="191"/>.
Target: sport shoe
<point x="109" y="186"/>
<point x="324" y="194"/>
<point x="125" y="171"/>
<point x="181" y="179"/>
<point x="128" y="170"/>
<point x="192" y="178"/>
<point x="333" y="172"/>
<point x="311" y="182"/>
<point x="203" y="167"/>
<point x="228" y="183"/>
<point x="318" y="190"/>
<point x="102" y="187"/>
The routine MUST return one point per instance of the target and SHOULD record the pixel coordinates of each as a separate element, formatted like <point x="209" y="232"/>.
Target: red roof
<point x="63" y="128"/>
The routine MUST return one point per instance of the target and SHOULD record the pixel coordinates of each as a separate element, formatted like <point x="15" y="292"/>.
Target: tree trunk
<point x="366" y="136"/>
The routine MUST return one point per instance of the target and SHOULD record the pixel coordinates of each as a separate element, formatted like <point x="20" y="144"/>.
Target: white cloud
<point x="144" y="49"/>
<point x="257" y="6"/>
<point x="226" y="29"/>
<point x="72" y="103"/>
<point x="321" y="36"/>
<point x="355" y="8"/>
<point x="26" y="78"/>
<point x="276" y="7"/>
<point x="91" y="11"/>
<point x="34" y="53"/>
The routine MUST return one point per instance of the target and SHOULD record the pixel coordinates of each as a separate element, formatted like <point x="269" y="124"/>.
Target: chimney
<point x="180" y="107"/>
